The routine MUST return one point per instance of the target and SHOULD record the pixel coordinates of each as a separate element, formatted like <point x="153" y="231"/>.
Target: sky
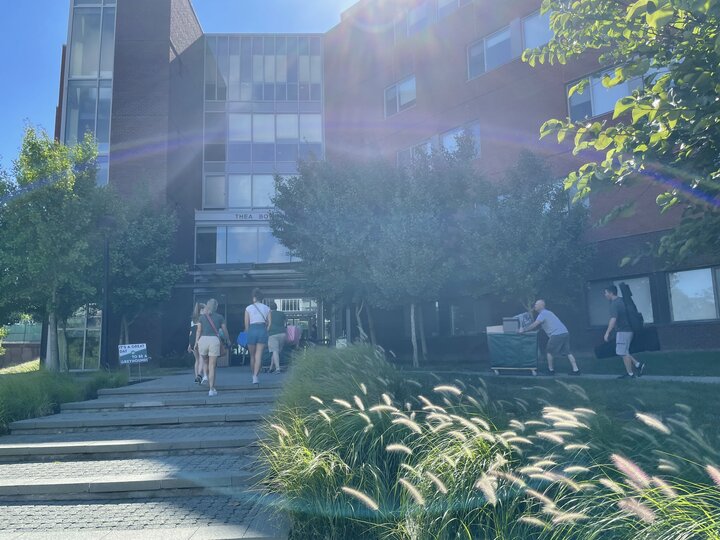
<point x="32" y="33"/>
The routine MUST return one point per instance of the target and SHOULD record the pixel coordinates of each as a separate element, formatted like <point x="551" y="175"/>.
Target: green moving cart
<point x="513" y="352"/>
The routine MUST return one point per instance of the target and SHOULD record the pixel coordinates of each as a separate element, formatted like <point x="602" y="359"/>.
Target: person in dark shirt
<point x="276" y="336"/>
<point x="624" y="333"/>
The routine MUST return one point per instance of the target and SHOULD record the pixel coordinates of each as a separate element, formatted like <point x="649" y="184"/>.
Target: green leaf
<point x="660" y="17"/>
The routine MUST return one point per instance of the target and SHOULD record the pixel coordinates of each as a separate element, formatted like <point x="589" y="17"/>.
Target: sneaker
<point x="640" y="369"/>
<point x="255" y="380"/>
<point x="551" y="372"/>
<point x="204" y="379"/>
<point x="198" y="379"/>
<point x="626" y="376"/>
<point x="212" y="392"/>
<point x="573" y="373"/>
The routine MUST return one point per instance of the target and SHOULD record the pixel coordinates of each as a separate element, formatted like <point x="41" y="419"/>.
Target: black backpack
<point x="635" y="318"/>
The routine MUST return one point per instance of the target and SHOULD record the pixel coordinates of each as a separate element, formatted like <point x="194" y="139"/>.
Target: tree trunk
<point x="371" y="327"/>
<point x="362" y="336"/>
<point x="413" y="336"/>
<point x="423" y="343"/>
<point x="51" y="351"/>
<point x="124" y="330"/>
<point x="62" y="347"/>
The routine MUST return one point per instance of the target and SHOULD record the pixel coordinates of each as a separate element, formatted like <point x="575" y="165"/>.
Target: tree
<point x="535" y="234"/>
<point x="668" y="130"/>
<point x="48" y="234"/>
<point x="327" y="216"/>
<point x="141" y="273"/>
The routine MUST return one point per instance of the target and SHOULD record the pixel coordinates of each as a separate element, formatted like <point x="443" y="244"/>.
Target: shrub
<point x="39" y="393"/>
<point x="355" y="451"/>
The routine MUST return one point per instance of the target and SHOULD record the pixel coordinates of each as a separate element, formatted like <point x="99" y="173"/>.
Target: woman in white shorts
<point x="209" y="326"/>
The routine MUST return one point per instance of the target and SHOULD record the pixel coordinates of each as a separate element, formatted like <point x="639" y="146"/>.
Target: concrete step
<point x="68" y="422"/>
<point x="238" y="516"/>
<point x="266" y="382"/>
<point x="138" y="442"/>
<point x="155" y="401"/>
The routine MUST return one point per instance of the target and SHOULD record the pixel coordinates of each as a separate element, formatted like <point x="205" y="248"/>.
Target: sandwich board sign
<point x="135" y="353"/>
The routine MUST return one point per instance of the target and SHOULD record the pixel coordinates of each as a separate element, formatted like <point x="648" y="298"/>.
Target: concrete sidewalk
<point x="566" y="376"/>
<point x="156" y="459"/>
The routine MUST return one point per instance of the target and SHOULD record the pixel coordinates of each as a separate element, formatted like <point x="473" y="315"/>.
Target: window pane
<point x="215" y="128"/>
<point x="102" y="133"/>
<point x="692" y="297"/>
<point x="85" y="43"/>
<point x="107" y="50"/>
<point x="210" y="69"/>
<point x="315" y="69"/>
<point x="419" y="17"/>
<point x="304" y="69"/>
<point x="206" y="246"/>
<point x="286" y="152"/>
<point x="604" y="99"/>
<point x="269" y="68"/>
<point x="449" y="139"/>
<point x="264" y="128"/>
<point x="263" y="190"/>
<point x="258" y="68"/>
<point x="241" y="244"/>
<point x="445" y="7"/>
<point x="310" y="128"/>
<point x="269" y="249"/>
<point x="240" y="127"/>
<point x="103" y="171"/>
<point x="287" y="127"/>
<point x="497" y="49"/>
<point x="476" y="59"/>
<point x="214" y="192"/>
<point x="580" y="104"/>
<point x="263" y="152"/>
<point x="640" y="289"/>
<point x="80" y="113"/>
<point x="281" y="68"/>
<point x="239" y="152"/>
<point x="391" y="103"/>
<point x="406" y="93"/>
<point x="536" y="30"/>
<point x="240" y="189"/>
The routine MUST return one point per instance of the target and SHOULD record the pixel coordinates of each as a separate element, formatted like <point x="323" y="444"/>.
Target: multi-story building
<point x="203" y="121"/>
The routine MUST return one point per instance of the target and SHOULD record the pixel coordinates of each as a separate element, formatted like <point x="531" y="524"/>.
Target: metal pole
<point x="104" y="349"/>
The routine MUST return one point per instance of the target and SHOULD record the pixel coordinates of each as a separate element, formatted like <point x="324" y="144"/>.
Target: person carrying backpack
<point x="619" y="321"/>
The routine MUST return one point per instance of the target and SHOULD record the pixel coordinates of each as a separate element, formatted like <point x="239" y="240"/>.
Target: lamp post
<point x="106" y="223"/>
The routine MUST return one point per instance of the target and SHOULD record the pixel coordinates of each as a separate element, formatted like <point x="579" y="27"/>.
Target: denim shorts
<point x="257" y="334"/>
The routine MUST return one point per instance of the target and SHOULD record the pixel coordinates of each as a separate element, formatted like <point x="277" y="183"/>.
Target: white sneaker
<point x="212" y="392"/>
<point x="255" y="380"/>
<point x="204" y="379"/>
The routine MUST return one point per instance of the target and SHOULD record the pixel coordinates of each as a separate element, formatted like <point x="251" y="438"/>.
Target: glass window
<point x="287" y="127"/>
<point x="239" y="191"/>
<point x="210" y="69"/>
<point x="107" y="50"/>
<point x="599" y="306"/>
<point x="206" y="245"/>
<point x="580" y="104"/>
<point x="462" y="318"/>
<point x="400" y="96"/>
<point x="215" y="128"/>
<point x="102" y="133"/>
<point x="85" y="43"/>
<point x="449" y="139"/>
<point x="311" y="128"/>
<point x="476" y="59"/>
<point x="419" y="17"/>
<point x="604" y="99"/>
<point x="692" y="295"/>
<point x="536" y="30"/>
<point x="263" y="190"/>
<point x="446" y="7"/>
<point x="214" y="192"/>
<point x="241" y="244"/>
<point x="263" y="128"/>
<point x="81" y="110"/>
<point x="270" y="250"/>
<point x="497" y="49"/>
<point x="406" y="93"/>
<point x="103" y="171"/>
<point x="239" y="128"/>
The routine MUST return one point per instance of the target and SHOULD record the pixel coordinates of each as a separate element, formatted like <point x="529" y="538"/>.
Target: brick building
<point x="203" y="121"/>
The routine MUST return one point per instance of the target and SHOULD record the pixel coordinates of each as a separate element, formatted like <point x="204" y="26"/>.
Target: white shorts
<point x="276" y="342"/>
<point x="209" y="346"/>
<point x="622" y="343"/>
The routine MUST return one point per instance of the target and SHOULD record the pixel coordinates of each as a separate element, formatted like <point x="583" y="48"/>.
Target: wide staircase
<point x="157" y="459"/>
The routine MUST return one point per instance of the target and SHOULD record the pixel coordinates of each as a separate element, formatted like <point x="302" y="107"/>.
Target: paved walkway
<point x="559" y="375"/>
<point x="158" y="459"/>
